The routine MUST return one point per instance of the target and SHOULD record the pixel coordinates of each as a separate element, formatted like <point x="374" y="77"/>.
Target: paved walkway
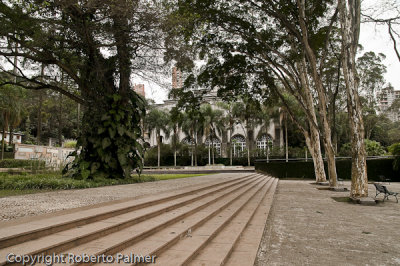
<point x="307" y="226"/>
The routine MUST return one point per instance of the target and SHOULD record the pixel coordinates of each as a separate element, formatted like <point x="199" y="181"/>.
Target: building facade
<point x="386" y="98"/>
<point x="263" y="137"/>
<point x="17" y="137"/>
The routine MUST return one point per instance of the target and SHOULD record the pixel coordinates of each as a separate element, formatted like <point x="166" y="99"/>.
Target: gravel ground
<point x="34" y="204"/>
<point x="306" y="226"/>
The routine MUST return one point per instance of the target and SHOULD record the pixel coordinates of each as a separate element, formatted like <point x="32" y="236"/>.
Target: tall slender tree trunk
<point x="286" y="141"/>
<point x="195" y="150"/>
<point x="313" y="143"/>
<point x="209" y="154"/>
<point x="175" y="133"/>
<point x="39" y="118"/>
<point x="322" y="102"/>
<point x="10" y="141"/>
<point x="60" y="122"/>
<point x="158" y="149"/>
<point x="350" y="11"/>
<point x="230" y="145"/>
<point x="39" y="113"/>
<point x="5" y="126"/>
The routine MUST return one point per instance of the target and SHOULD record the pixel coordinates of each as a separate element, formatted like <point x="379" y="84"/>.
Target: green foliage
<point x="14" y="163"/>
<point x="70" y="144"/>
<point x="110" y="141"/>
<point x="372" y="147"/>
<point x="395" y="151"/>
<point x="56" y="181"/>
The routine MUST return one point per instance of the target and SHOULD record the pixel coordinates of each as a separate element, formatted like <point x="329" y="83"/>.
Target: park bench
<point x="383" y="189"/>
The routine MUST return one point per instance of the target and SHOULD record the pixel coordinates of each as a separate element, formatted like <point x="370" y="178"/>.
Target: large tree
<point x="349" y="13"/>
<point x="96" y="45"/>
<point x="157" y="121"/>
<point x="283" y="44"/>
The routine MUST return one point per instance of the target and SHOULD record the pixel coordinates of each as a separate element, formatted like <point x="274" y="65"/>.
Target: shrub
<point x="70" y="144"/>
<point x="373" y="148"/>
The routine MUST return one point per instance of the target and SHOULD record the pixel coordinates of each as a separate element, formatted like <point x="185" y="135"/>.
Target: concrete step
<point x="165" y="238"/>
<point x="124" y="238"/>
<point x="68" y="238"/>
<point x="237" y="213"/>
<point x="245" y="251"/>
<point x="19" y="233"/>
<point x="219" y="249"/>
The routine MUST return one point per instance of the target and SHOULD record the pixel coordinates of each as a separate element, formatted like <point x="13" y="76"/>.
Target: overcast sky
<point x="376" y="38"/>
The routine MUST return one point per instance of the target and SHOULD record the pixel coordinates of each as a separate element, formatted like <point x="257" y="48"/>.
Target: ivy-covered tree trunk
<point x="109" y="142"/>
<point x="350" y="11"/>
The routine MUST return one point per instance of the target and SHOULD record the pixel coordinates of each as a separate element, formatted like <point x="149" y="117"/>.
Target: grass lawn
<point x="26" y="183"/>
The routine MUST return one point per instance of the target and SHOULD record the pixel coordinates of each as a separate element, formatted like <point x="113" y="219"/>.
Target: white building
<point x="262" y="139"/>
<point x="17" y="137"/>
<point x="386" y="97"/>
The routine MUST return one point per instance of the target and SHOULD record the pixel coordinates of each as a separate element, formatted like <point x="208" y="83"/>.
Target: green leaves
<point x="106" y="142"/>
<point x="111" y="134"/>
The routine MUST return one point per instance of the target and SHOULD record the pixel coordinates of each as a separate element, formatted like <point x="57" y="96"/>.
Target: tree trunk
<point x="314" y="146"/>
<point x="286" y="141"/>
<point x="322" y="102"/>
<point x="350" y="29"/>
<point x="10" y="141"/>
<point x="60" y="122"/>
<point x="195" y="150"/>
<point x="158" y="149"/>
<point x="39" y="118"/>
<point x="3" y="135"/>
<point x="175" y="133"/>
<point x="209" y="154"/>
<point x="230" y="145"/>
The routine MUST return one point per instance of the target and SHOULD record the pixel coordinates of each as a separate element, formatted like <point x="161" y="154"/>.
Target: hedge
<point x="305" y="170"/>
<point x="14" y="163"/>
<point x="8" y="155"/>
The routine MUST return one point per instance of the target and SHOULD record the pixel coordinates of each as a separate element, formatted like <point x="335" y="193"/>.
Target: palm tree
<point x="248" y="113"/>
<point x="175" y="122"/>
<point x="191" y="126"/>
<point x="228" y="121"/>
<point x="10" y="110"/>
<point x="211" y="127"/>
<point x="157" y="120"/>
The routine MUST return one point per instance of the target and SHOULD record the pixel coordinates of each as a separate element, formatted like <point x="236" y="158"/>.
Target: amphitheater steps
<point x="231" y="218"/>
<point x="11" y="235"/>
<point x="81" y="234"/>
<point x="195" y="212"/>
<point x="211" y="224"/>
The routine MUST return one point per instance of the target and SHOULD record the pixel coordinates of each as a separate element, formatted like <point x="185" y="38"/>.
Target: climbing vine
<point x="110" y="145"/>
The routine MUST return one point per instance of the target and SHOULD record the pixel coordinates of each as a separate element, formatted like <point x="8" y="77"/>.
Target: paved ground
<point x="307" y="226"/>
